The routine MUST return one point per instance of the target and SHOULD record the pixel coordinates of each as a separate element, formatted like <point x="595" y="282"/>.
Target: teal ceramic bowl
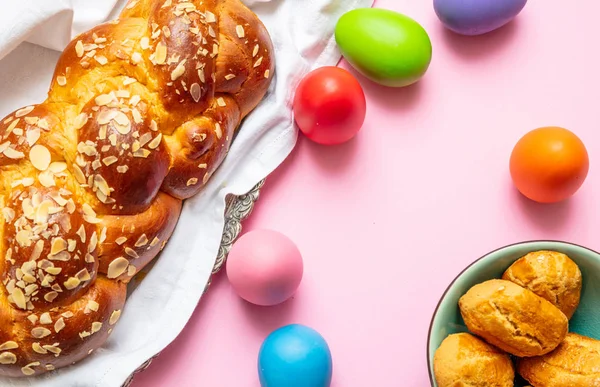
<point x="447" y="319"/>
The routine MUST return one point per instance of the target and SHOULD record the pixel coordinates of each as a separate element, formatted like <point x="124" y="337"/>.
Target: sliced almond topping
<point x="145" y="43"/>
<point x="50" y="296"/>
<point x="40" y="332"/>
<point x="258" y="62"/>
<point x="131" y="252"/>
<point x="109" y="160"/>
<point x="58" y="245"/>
<point x="202" y="166"/>
<point x="72" y="283"/>
<point x="8" y="345"/>
<point x="50" y="367"/>
<point x="25" y="111"/>
<point x="81" y="233"/>
<point x="83" y="275"/>
<point x="96" y="326"/>
<point x="33" y="318"/>
<point x="59" y="325"/>
<point x="114" y="317"/>
<point x="89" y="258"/>
<point x="221" y="102"/>
<point x="120" y="240"/>
<point x="192" y="181"/>
<point x="179" y="71"/>
<point x="84" y="334"/>
<point x="218" y="131"/>
<point x="80" y="121"/>
<point x="8" y="358"/>
<point x="255" y="51"/>
<point x="229" y="77"/>
<point x="160" y="55"/>
<point x="141" y="153"/>
<point x="142" y="241"/>
<point x="240" y="31"/>
<point x="19" y="298"/>
<point x="122" y="168"/>
<point x="101" y="59"/>
<point x="79" y="176"/>
<point x="136" y="58"/>
<point x="79" y="48"/>
<point x="155" y="142"/>
<point x="38" y="348"/>
<point x="91" y="306"/>
<point x="61" y="80"/>
<point x="195" y="91"/>
<point x="53" y="349"/>
<point x="153" y="126"/>
<point x="53" y="270"/>
<point x="117" y="267"/>
<point x="45" y="318"/>
<point x="13" y="154"/>
<point x="267" y="72"/>
<point x="103" y="99"/>
<point x="128" y="81"/>
<point x="27" y="370"/>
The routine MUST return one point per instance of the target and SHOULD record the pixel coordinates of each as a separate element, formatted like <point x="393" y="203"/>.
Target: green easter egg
<point x="385" y="46"/>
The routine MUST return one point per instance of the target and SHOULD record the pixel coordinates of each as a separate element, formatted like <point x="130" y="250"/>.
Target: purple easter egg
<point x="476" y="17"/>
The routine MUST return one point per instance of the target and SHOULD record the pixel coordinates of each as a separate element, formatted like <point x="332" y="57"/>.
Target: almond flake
<point x="114" y="317"/>
<point x="142" y="241"/>
<point x="50" y="296"/>
<point x="160" y="54"/>
<point x="117" y="267"/>
<point x="109" y="160"/>
<point x="72" y="283"/>
<point x="96" y="326"/>
<point x="58" y="245"/>
<point x="89" y="258"/>
<point x="144" y="153"/>
<point x="19" y="298"/>
<point x="229" y="77"/>
<point x="25" y="111"/>
<point x="221" y="102"/>
<point x="255" y="51"/>
<point x="80" y="121"/>
<point x="59" y="325"/>
<point x="122" y="168"/>
<point x="153" y="126"/>
<point x="61" y="80"/>
<point x="202" y="166"/>
<point x="45" y="318"/>
<point x="101" y="59"/>
<point x="8" y="358"/>
<point x="258" y="62"/>
<point x="131" y="252"/>
<point x="240" y="31"/>
<point x="155" y="142"/>
<point x="79" y="49"/>
<point x="40" y="332"/>
<point x="38" y="348"/>
<point x="218" y="131"/>
<point x="91" y="306"/>
<point x="120" y="240"/>
<point x="136" y="58"/>
<point x="8" y="345"/>
<point x="79" y="176"/>
<point x="145" y="43"/>
<point x="195" y="91"/>
<point x="83" y="275"/>
<point x="192" y="181"/>
<point x="267" y="72"/>
<point x="103" y="99"/>
<point x="13" y="154"/>
<point x="179" y="71"/>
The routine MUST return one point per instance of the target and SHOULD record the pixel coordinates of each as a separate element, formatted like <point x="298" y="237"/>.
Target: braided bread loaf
<point x="140" y="113"/>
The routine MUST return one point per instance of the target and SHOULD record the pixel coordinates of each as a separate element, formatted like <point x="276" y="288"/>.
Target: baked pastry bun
<point x="551" y="275"/>
<point x="513" y="318"/>
<point x="465" y="360"/>
<point x="575" y="363"/>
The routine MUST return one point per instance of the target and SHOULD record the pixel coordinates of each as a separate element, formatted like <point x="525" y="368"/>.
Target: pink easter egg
<point x="264" y="267"/>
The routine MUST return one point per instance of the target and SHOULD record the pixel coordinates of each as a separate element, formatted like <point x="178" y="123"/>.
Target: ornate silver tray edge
<point x="238" y="208"/>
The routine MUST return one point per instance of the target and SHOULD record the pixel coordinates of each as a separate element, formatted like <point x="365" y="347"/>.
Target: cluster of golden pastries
<point x="525" y="314"/>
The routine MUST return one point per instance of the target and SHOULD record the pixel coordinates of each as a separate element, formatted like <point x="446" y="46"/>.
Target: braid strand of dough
<point x="140" y="113"/>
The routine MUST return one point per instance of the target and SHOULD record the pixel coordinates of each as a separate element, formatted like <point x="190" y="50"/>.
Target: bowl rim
<point x="467" y="268"/>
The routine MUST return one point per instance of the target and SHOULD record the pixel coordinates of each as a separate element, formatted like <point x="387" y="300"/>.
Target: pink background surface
<point x="386" y="221"/>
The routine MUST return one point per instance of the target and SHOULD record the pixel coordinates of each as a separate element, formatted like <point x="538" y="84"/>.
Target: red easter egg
<point x="329" y="106"/>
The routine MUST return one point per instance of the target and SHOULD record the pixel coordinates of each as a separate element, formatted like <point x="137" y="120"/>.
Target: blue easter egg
<point x="295" y="356"/>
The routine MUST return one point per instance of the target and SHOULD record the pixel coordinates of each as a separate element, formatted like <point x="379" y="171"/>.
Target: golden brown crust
<point x="464" y="360"/>
<point x="576" y="362"/>
<point x="141" y="112"/>
<point x="551" y="275"/>
<point x="513" y="318"/>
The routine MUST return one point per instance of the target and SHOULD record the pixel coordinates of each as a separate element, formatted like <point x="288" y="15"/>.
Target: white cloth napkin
<point x="160" y="306"/>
